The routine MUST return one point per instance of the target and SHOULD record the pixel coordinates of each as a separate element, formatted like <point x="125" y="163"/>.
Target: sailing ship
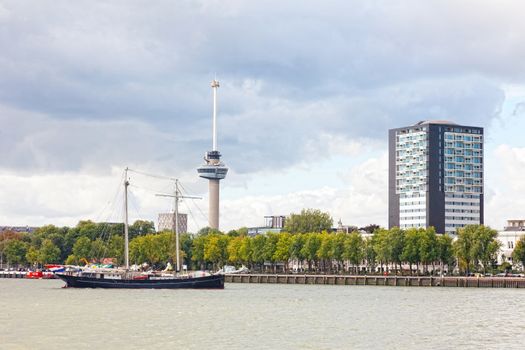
<point x="126" y="278"/>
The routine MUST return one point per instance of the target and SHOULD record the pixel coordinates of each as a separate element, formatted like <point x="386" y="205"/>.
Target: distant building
<point x="508" y="238"/>
<point x="435" y="176"/>
<point x="19" y="229"/>
<point x="167" y="222"/>
<point x="274" y="223"/>
<point x="344" y="228"/>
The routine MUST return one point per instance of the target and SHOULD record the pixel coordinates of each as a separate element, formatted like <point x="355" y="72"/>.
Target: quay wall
<point x="401" y="281"/>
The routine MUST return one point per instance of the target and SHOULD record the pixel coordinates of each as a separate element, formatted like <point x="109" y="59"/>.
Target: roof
<point x="445" y="122"/>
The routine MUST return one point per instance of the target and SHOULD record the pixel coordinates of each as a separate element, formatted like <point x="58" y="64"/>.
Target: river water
<point x="39" y="314"/>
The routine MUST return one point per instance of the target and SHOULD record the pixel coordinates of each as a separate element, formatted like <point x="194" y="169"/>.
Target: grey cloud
<point x="279" y="133"/>
<point x="32" y="142"/>
<point x="104" y="73"/>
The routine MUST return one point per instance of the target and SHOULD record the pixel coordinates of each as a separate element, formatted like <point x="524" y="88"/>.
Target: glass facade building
<point x="436" y="176"/>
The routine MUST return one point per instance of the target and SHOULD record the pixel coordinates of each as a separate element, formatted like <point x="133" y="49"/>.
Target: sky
<point x="308" y="93"/>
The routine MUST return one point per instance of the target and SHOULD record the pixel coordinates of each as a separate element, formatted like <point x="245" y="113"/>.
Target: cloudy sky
<point x="308" y="92"/>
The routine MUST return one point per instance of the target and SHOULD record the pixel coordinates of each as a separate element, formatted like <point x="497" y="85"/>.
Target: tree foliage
<point x="15" y="252"/>
<point x="518" y="254"/>
<point x="475" y="245"/>
<point x="308" y="221"/>
<point x="393" y="249"/>
<point x="49" y="253"/>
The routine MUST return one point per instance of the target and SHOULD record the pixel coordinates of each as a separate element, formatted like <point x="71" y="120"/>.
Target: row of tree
<point x="475" y="248"/>
<point x="86" y="241"/>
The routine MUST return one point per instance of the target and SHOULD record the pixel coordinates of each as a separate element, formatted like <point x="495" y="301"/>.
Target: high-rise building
<point x="435" y="176"/>
<point x="167" y="222"/>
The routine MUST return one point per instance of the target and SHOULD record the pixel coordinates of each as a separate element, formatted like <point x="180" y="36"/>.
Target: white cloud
<point x="363" y="201"/>
<point x="506" y="188"/>
<point x="66" y="198"/>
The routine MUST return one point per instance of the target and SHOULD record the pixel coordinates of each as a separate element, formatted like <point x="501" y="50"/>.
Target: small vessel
<point x="126" y="278"/>
<point x="231" y="270"/>
<point x="39" y="274"/>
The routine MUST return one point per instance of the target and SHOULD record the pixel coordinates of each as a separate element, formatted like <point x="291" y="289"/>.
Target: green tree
<point x="486" y="246"/>
<point x="140" y="250"/>
<point x="115" y="249"/>
<point x="98" y="250"/>
<point x="428" y="247"/>
<point x="208" y="231"/>
<point x="89" y="229"/>
<point x="234" y="249"/>
<point x="258" y="249"/>
<point x="381" y="247"/>
<point x="445" y="253"/>
<point x="153" y="249"/>
<point x="270" y="248"/>
<point x="48" y="231"/>
<point x="71" y="260"/>
<point x="411" y="251"/>
<point x="215" y="249"/>
<point x="82" y="248"/>
<point x="140" y="228"/>
<point x="241" y="232"/>
<point x="32" y="256"/>
<point x="324" y="253"/>
<point x="165" y="244"/>
<point x="58" y="239"/>
<point x="338" y="249"/>
<point x="198" y="251"/>
<point x="370" y="254"/>
<point x="370" y="228"/>
<point x="518" y="254"/>
<point x="296" y="249"/>
<point x="476" y="244"/>
<point x="464" y="247"/>
<point x="395" y="241"/>
<point x="15" y="252"/>
<point x="283" y="249"/>
<point x="245" y="250"/>
<point x="311" y="245"/>
<point x="309" y="220"/>
<point x="186" y="244"/>
<point x="354" y="249"/>
<point x="49" y="253"/>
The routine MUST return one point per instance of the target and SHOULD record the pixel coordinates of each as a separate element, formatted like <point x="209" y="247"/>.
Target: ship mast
<point x="177" y="196"/>
<point x="177" y="223"/>
<point x="126" y="228"/>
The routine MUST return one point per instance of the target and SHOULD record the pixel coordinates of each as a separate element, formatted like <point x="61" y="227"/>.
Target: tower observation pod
<point x="213" y="169"/>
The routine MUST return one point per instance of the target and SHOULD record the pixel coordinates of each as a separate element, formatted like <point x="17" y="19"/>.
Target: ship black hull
<point x="207" y="282"/>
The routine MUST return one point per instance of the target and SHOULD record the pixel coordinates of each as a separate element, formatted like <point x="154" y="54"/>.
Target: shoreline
<point x="355" y="280"/>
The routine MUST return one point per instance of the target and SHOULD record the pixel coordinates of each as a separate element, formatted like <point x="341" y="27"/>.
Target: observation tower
<point x="213" y="169"/>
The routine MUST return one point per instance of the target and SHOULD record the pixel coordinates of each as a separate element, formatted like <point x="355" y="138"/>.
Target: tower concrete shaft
<point x="214" y="189"/>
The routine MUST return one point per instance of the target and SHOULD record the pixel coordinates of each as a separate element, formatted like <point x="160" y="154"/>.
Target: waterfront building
<point x="167" y="222"/>
<point x="344" y="228"/>
<point x="18" y="229"/>
<point x="508" y="238"/>
<point x="435" y="176"/>
<point x="272" y="223"/>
